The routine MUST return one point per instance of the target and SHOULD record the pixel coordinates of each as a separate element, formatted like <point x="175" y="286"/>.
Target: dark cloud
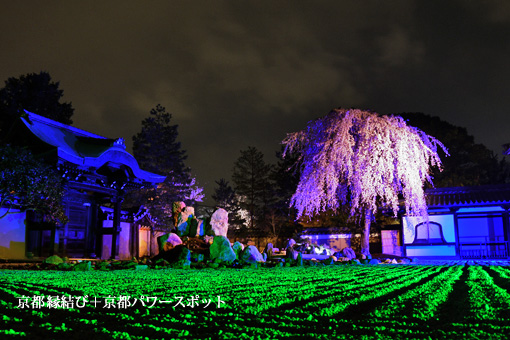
<point x="238" y="74"/>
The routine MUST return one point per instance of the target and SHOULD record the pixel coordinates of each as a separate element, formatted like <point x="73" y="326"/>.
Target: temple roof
<point x="85" y="149"/>
<point x="468" y="196"/>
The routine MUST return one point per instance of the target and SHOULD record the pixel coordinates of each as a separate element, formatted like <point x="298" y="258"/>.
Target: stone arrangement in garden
<point x="216" y="252"/>
<point x="187" y="224"/>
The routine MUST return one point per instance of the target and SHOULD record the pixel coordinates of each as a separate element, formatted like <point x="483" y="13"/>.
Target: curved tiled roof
<point x="468" y="196"/>
<point x="85" y="149"/>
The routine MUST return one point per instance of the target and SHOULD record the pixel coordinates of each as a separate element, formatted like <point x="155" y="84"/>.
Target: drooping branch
<point x="362" y="158"/>
<point x="5" y="199"/>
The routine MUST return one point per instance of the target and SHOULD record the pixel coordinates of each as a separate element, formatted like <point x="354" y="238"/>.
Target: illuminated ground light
<point x="320" y="302"/>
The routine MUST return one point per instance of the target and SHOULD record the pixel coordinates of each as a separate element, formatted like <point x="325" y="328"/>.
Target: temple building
<point x="463" y="223"/>
<point x="98" y="172"/>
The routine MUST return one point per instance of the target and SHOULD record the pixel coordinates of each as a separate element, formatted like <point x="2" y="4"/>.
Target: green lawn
<point x="320" y="302"/>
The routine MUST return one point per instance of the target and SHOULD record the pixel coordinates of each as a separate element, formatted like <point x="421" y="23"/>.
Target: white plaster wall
<point x="12" y="234"/>
<point x="390" y="240"/>
<point x="443" y="250"/>
<point x="446" y="221"/>
<point x="124" y="241"/>
<point x="144" y="239"/>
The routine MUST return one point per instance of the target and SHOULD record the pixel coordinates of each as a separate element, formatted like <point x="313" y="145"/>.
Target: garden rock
<point x="170" y="256"/>
<point x="64" y="266"/>
<point x="219" y="222"/>
<point x="103" y="265"/>
<point x="177" y="208"/>
<point x="197" y="246"/>
<point x="196" y="227"/>
<point x="291" y="254"/>
<point x="328" y="261"/>
<point x="168" y="241"/>
<point x="251" y="255"/>
<point x="222" y="250"/>
<point x="238" y="249"/>
<point x="349" y="253"/>
<point x="184" y="221"/>
<point x="82" y="266"/>
<point x="197" y="257"/>
<point x="54" y="259"/>
<point x="269" y="250"/>
<point x="374" y="261"/>
<point x="290" y="243"/>
<point x="299" y="260"/>
<point x="183" y="258"/>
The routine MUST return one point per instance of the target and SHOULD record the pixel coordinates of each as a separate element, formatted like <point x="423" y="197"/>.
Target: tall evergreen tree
<point x="252" y="184"/>
<point x="34" y="92"/>
<point x="157" y="150"/>
<point x="224" y="195"/>
<point x="226" y="198"/>
<point x="280" y="220"/>
<point x="156" y="147"/>
<point x="285" y="175"/>
<point x="33" y="184"/>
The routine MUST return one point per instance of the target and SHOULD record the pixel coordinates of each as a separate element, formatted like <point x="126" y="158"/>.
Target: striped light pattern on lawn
<point x="319" y="302"/>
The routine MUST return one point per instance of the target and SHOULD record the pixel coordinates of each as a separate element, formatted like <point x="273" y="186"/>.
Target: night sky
<point x="244" y="73"/>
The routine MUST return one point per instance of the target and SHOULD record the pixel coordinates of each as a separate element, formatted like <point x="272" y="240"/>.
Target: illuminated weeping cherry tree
<point x="362" y="159"/>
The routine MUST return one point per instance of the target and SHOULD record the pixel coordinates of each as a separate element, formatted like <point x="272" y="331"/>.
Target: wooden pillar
<point x="54" y="240"/>
<point x="91" y="231"/>
<point x="506" y="229"/>
<point x="456" y="228"/>
<point x="116" y="226"/>
<point x="87" y="251"/>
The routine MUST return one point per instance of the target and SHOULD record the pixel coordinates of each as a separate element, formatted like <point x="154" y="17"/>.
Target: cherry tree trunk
<point x="365" y="241"/>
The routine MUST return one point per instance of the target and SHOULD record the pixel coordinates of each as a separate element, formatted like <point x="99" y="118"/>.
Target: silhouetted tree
<point x="32" y="184"/>
<point x="29" y="184"/>
<point x="157" y="150"/>
<point x="469" y="163"/>
<point x="224" y="195"/>
<point x="226" y="198"/>
<point x="252" y="184"/>
<point x="34" y="92"/>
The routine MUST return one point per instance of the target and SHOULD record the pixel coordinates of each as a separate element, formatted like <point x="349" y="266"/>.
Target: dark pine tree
<point x="156" y="147"/>
<point x="225" y="197"/>
<point x="36" y="186"/>
<point x="34" y="92"/>
<point x="157" y="150"/>
<point x="252" y="184"/>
